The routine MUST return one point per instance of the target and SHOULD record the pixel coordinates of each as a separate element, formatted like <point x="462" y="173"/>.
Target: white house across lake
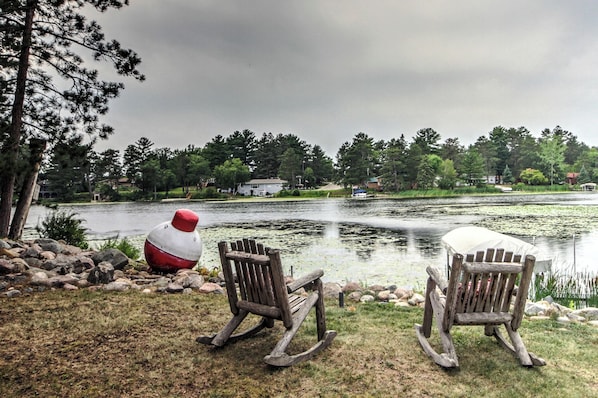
<point x="261" y="187"/>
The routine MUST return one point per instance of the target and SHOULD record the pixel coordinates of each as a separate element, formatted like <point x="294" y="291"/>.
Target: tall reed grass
<point x="571" y="289"/>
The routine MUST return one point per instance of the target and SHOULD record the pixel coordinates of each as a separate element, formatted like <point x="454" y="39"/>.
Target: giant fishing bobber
<point x="174" y="245"/>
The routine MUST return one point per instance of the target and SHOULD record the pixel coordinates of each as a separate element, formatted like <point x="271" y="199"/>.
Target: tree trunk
<point x="37" y="149"/>
<point x="11" y="146"/>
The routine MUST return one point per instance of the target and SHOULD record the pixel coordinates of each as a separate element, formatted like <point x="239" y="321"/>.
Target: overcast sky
<point x="327" y="70"/>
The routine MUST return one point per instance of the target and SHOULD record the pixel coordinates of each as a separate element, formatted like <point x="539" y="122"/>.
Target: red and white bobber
<point x="174" y="245"/>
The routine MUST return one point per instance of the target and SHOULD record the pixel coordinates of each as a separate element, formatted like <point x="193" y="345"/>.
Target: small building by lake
<point x="261" y="187"/>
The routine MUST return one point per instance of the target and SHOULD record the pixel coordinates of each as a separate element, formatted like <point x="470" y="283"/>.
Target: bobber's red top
<point x="185" y="220"/>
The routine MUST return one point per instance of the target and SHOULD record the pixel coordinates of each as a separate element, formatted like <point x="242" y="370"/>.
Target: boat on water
<point x="359" y="194"/>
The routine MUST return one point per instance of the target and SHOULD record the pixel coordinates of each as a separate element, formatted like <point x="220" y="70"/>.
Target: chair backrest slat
<point x="487" y="287"/>
<point x="259" y="277"/>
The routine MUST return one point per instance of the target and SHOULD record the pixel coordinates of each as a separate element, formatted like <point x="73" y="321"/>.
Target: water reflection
<point x="374" y="241"/>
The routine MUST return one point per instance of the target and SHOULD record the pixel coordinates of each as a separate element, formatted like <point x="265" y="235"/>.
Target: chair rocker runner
<point x="478" y="293"/>
<point x="262" y="292"/>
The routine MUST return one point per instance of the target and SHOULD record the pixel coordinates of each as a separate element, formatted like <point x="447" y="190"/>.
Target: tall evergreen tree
<point x="472" y="169"/>
<point x="584" y="176"/>
<point x="69" y="164"/>
<point x="393" y="166"/>
<point x="290" y="167"/>
<point x="507" y="176"/>
<point x="357" y="160"/>
<point x="321" y="165"/>
<point x="39" y="43"/>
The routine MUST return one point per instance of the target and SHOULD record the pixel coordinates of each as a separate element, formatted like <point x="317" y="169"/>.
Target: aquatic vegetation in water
<point x="535" y="220"/>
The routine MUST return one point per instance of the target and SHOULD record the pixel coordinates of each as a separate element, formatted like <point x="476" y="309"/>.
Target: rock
<point x="32" y="251"/>
<point x="33" y="262"/>
<point x="354" y="296"/>
<point x="116" y="286"/>
<point x="49" y="244"/>
<point x="376" y="288"/>
<point x="174" y="288"/>
<point x="402" y="292"/>
<point x="189" y="279"/>
<point x="40" y="278"/>
<point x="10" y="253"/>
<point x="210" y="287"/>
<point x="352" y="287"/>
<point x="102" y="273"/>
<point x="13" y="293"/>
<point x="71" y="250"/>
<point x="367" y="298"/>
<point x="81" y="264"/>
<point x="113" y="256"/>
<point x="383" y="295"/>
<point x="539" y="318"/>
<point x="416" y="299"/>
<point x="83" y="283"/>
<point x="590" y="313"/>
<point x="539" y="308"/>
<point x="575" y="318"/>
<point x="61" y="280"/>
<point x="47" y="255"/>
<point x="332" y="290"/>
<point x="20" y="264"/>
<point x="195" y="281"/>
<point x="6" y="267"/>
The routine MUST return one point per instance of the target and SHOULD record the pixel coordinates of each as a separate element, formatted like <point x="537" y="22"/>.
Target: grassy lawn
<point x="100" y="344"/>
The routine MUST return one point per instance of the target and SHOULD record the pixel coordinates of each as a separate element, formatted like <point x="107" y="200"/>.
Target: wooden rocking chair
<point x="478" y="293"/>
<point x="262" y="291"/>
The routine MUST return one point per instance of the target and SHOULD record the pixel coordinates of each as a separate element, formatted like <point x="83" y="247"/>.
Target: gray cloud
<point x="326" y="70"/>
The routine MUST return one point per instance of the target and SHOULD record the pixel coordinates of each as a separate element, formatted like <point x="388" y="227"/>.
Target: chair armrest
<point x="437" y="277"/>
<point x="304" y="280"/>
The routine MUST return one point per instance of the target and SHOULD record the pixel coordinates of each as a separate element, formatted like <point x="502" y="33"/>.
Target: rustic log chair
<point x="478" y="292"/>
<point x="262" y="291"/>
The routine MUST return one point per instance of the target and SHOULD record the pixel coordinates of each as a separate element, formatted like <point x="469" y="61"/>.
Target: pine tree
<point x="39" y="43"/>
<point x="507" y="176"/>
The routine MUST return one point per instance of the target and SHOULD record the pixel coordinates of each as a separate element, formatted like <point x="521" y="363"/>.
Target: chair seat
<point x="482" y="318"/>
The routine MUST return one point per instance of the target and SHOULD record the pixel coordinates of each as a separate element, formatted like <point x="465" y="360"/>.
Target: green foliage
<point x="448" y="175"/>
<point x="290" y="166"/>
<point x="231" y="173"/>
<point x="568" y="289"/>
<point x="533" y="177"/>
<point x="63" y="225"/>
<point x="207" y="193"/>
<point x="124" y="245"/>
<point x="108" y="193"/>
<point x="507" y="175"/>
<point x="426" y="173"/>
<point x="472" y="168"/>
<point x="584" y="176"/>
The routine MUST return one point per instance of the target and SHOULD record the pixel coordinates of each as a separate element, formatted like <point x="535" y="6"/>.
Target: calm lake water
<point x="385" y="241"/>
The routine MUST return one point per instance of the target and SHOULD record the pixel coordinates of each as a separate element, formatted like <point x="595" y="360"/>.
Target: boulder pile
<point x="41" y="264"/>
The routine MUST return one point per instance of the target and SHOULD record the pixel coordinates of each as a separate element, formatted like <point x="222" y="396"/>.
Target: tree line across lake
<point x="505" y="155"/>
